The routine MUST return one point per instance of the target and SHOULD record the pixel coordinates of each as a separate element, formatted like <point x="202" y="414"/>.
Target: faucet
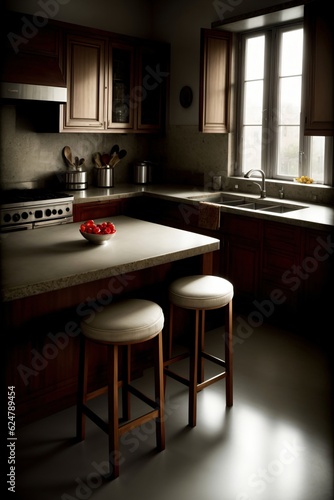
<point x="263" y="183"/>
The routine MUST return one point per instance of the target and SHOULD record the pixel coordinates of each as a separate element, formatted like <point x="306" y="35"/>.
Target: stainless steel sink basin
<point x="247" y="203"/>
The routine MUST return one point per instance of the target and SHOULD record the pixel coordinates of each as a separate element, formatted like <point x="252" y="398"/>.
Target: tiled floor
<point x="276" y="442"/>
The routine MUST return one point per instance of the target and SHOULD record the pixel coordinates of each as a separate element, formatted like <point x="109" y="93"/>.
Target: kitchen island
<point x="52" y="277"/>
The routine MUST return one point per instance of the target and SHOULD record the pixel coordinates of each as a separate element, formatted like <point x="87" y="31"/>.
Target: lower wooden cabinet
<point x="97" y="210"/>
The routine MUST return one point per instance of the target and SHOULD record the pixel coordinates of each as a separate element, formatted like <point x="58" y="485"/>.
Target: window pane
<point x="317" y="158"/>
<point x="288" y="151"/>
<point x="253" y="103"/>
<point x="292" y="53"/>
<point x="251" y="147"/>
<point x="290" y="100"/>
<point x="254" y="58"/>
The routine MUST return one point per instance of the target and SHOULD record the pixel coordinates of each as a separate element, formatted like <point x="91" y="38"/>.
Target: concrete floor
<point x="275" y="443"/>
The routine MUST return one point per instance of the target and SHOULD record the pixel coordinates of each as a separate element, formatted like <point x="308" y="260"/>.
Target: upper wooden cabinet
<point x="319" y="68"/>
<point x="85" y="84"/>
<point x="31" y="51"/>
<point x="215" y="81"/>
<point x="115" y="84"/>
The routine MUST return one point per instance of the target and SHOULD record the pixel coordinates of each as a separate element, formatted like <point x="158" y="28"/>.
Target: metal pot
<point x="104" y="177"/>
<point x="76" y="180"/>
<point x="142" y="172"/>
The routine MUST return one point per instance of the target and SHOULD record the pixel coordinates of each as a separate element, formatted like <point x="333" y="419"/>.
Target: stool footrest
<point x="210" y="381"/>
<point x="132" y="424"/>
<point x="176" y="376"/>
<point x="176" y="358"/>
<point x="136" y="392"/>
<point x="213" y="359"/>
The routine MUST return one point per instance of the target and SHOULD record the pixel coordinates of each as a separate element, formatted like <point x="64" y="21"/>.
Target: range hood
<point x="32" y="92"/>
<point x="32" y="63"/>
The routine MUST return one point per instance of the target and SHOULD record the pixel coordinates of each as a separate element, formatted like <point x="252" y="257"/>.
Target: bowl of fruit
<point x="97" y="233"/>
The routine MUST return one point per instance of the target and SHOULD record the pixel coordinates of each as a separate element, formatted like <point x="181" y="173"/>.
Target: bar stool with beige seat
<point x="201" y="293"/>
<point x="122" y="323"/>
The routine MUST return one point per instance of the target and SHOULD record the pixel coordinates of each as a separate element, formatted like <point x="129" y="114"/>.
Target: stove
<point x="22" y="209"/>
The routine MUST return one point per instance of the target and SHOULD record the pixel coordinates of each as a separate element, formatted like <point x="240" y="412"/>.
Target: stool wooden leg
<point x="82" y="390"/>
<point x="170" y="336"/>
<point x="229" y="356"/>
<point x="113" y="424"/>
<point x="200" y="368"/>
<point x="159" y="391"/>
<point x="193" y="371"/>
<point x="126" y="379"/>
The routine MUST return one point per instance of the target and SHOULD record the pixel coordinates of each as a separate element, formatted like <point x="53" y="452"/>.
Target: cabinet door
<point x="215" y="81"/>
<point x="153" y="79"/>
<point x="96" y="210"/>
<point x="242" y="253"/>
<point x="121" y="90"/>
<point x="319" y="68"/>
<point x="31" y="54"/>
<point x="84" y="110"/>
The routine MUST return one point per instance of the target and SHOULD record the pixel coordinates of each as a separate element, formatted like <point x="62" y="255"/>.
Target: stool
<point x="124" y="323"/>
<point x="201" y="293"/>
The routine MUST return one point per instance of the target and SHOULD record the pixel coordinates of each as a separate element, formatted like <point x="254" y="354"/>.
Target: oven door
<point x="52" y="222"/>
<point x="16" y="227"/>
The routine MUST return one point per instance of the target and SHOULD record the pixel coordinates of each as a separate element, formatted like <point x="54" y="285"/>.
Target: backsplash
<point x="28" y="156"/>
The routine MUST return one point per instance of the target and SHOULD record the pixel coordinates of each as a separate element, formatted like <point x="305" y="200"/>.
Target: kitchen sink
<point x="247" y="203"/>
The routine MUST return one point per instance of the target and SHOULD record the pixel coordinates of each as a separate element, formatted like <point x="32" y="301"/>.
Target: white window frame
<point x="272" y="34"/>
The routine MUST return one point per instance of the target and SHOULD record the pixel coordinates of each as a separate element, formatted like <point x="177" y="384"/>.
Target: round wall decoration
<point x="186" y="96"/>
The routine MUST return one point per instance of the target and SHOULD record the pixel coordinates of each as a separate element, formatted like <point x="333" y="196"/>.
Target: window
<point x="270" y="132"/>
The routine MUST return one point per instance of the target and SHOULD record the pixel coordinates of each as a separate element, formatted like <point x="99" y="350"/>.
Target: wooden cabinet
<point x="215" y="81"/>
<point x="282" y="251"/>
<point x="319" y="68"/>
<point x="97" y="210"/>
<point x="85" y="84"/>
<point x="241" y="255"/>
<point x="32" y="51"/>
<point x="115" y="84"/>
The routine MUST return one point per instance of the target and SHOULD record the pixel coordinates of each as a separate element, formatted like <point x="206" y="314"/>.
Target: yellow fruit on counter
<point x="304" y="179"/>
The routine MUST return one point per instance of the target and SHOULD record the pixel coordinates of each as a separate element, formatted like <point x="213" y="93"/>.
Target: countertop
<point x="313" y="215"/>
<point x="48" y="259"/>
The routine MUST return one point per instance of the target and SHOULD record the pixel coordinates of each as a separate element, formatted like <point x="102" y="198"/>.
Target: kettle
<point x="142" y="172"/>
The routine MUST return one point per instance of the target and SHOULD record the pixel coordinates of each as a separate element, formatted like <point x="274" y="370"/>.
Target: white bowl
<point x="97" y="239"/>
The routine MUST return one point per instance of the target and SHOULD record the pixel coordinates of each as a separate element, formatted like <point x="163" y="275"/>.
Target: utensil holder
<point x="104" y="177"/>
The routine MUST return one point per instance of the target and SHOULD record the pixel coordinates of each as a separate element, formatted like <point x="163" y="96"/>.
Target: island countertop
<point x="52" y="258"/>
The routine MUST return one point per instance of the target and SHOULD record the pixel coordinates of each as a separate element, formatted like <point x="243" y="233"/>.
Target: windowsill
<point x="312" y="193"/>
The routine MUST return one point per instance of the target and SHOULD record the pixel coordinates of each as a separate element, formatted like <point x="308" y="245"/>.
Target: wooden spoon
<point x="97" y="160"/>
<point x="105" y="159"/>
<point x="118" y="157"/>
<point x="67" y="155"/>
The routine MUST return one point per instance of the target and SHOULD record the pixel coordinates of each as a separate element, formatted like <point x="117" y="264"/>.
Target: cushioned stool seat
<point x="201" y="293"/>
<point x="122" y="324"/>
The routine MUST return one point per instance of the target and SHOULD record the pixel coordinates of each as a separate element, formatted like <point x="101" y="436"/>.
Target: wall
<point x="27" y="155"/>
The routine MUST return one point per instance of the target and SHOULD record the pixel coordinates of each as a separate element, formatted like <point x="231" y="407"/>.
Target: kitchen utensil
<point x="97" y="160"/>
<point x="67" y="155"/>
<point x="104" y="177"/>
<point x="76" y="180"/>
<point x="76" y="161"/>
<point x="105" y="159"/>
<point x="118" y="157"/>
<point x="142" y="172"/>
<point x="114" y="150"/>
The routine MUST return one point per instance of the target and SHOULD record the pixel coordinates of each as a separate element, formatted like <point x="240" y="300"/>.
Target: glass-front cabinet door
<point x="120" y="111"/>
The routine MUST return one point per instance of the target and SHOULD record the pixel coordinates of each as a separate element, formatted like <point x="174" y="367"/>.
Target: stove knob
<point x="16" y="217"/>
<point x="25" y="215"/>
<point x="54" y="211"/>
<point x="6" y="217"/>
<point x="60" y="211"/>
<point x="48" y="212"/>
